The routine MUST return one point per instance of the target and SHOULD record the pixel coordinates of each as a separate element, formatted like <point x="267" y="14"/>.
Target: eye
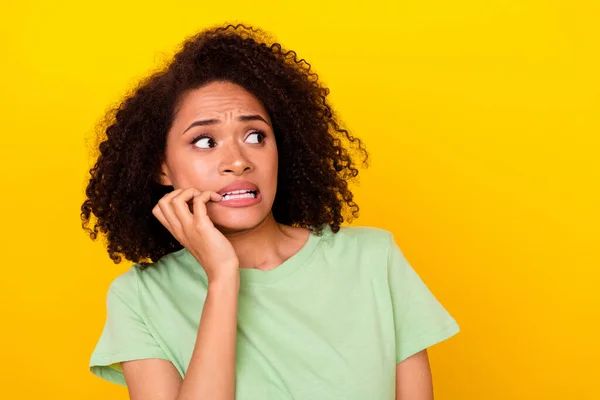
<point x="256" y="137"/>
<point x="204" y="142"/>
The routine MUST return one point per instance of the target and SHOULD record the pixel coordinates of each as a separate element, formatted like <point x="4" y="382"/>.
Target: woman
<point x="224" y="177"/>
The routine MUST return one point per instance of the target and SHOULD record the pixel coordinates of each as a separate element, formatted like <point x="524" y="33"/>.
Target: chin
<point x="237" y="220"/>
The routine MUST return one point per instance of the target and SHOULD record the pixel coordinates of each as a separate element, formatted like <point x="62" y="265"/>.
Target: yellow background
<point x="482" y="119"/>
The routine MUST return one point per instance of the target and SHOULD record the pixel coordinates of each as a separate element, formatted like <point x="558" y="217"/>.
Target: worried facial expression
<point x="222" y="140"/>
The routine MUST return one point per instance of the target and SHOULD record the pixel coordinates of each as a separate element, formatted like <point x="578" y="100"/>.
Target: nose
<point x="234" y="161"/>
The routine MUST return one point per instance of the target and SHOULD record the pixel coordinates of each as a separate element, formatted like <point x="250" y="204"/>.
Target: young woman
<point x="224" y="178"/>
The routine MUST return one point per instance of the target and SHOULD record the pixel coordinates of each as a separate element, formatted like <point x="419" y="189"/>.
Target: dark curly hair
<point x="315" y="152"/>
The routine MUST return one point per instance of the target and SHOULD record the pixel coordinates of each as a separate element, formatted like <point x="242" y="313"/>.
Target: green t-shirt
<point x="331" y="322"/>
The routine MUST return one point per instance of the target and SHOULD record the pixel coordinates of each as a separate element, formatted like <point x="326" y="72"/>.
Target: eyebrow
<point x="241" y="118"/>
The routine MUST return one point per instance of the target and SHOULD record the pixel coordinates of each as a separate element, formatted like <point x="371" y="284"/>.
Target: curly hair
<point x="315" y="152"/>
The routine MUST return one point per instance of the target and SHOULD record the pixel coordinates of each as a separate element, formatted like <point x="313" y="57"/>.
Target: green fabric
<point x="331" y="322"/>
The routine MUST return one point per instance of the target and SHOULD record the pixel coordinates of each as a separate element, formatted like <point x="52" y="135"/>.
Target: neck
<point x="267" y="245"/>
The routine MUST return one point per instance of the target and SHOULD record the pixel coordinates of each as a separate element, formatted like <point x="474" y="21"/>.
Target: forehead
<point x="219" y="98"/>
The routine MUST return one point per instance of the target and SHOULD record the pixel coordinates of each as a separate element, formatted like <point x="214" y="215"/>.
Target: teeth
<point x="239" y="194"/>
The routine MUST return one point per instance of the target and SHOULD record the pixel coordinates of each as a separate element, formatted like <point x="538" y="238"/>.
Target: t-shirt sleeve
<point x="420" y="320"/>
<point x="125" y="336"/>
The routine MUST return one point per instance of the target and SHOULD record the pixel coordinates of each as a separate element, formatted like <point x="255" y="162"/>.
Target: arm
<point x="413" y="378"/>
<point x="211" y="373"/>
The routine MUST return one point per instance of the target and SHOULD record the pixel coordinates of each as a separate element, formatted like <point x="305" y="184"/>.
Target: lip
<point x="240" y="185"/>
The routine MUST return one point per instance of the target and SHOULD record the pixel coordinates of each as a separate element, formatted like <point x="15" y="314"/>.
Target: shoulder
<point x="165" y="270"/>
<point x="125" y="283"/>
<point x="360" y="246"/>
<point x="364" y="237"/>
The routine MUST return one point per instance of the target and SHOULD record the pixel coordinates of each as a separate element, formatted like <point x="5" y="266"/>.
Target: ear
<point x="164" y="176"/>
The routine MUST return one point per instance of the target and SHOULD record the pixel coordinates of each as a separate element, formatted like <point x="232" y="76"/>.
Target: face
<point x="223" y="136"/>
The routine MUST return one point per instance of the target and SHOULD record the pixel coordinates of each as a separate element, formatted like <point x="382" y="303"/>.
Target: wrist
<point x="225" y="280"/>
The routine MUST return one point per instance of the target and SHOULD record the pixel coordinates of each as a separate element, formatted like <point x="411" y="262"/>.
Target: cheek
<point x="199" y="167"/>
<point x="273" y="168"/>
<point x="189" y="171"/>
<point x="198" y="174"/>
<point x="274" y="158"/>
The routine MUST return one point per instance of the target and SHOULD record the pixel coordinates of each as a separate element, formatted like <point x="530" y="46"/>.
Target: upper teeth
<point x="238" y="192"/>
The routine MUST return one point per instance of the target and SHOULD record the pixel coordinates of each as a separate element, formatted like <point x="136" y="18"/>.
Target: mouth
<point x="239" y="194"/>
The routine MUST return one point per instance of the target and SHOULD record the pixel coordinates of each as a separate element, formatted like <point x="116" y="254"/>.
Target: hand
<point x="196" y="232"/>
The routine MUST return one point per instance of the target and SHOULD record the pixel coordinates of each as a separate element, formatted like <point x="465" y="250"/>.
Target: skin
<point x="259" y="241"/>
<point x="224" y="239"/>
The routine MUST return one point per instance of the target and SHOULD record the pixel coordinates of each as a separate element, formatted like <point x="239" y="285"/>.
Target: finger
<point x="157" y="212"/>
<point x="181" y="207"/>
<point x="167" y="210"/>
<point x="167" y="197"/>
<point x="200" y="201"/>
